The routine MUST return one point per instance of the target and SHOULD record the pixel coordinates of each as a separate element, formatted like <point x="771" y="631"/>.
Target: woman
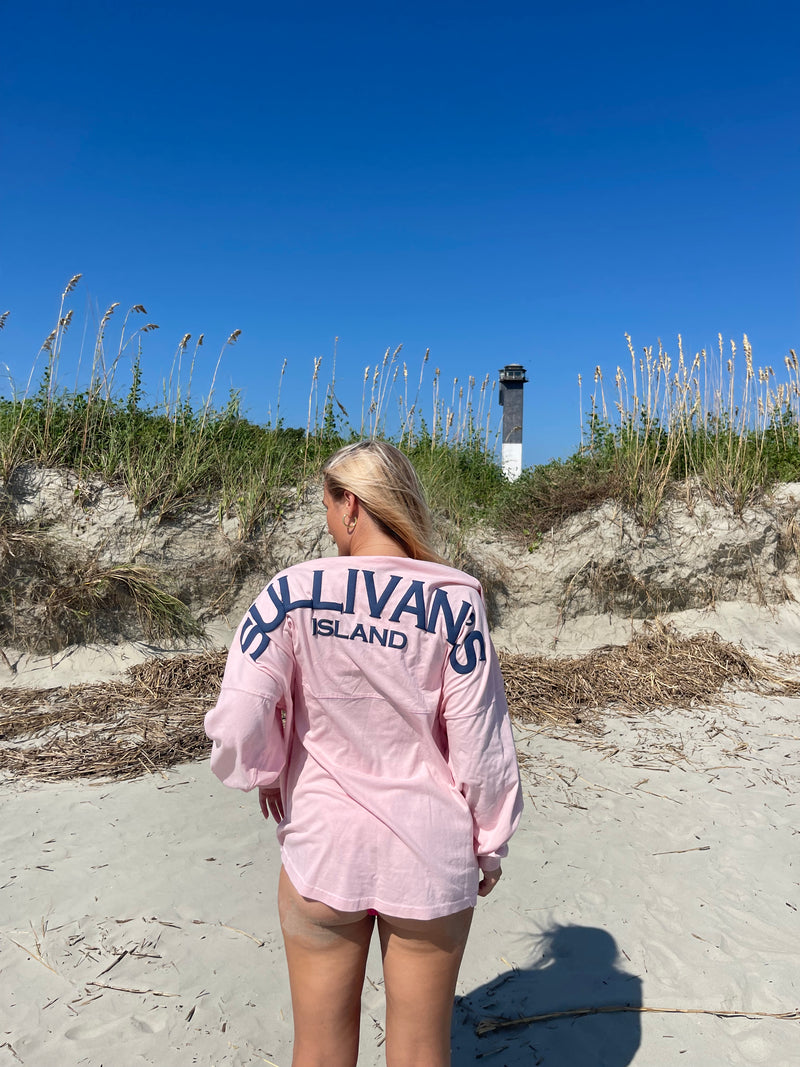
<point x="363" y="698"/>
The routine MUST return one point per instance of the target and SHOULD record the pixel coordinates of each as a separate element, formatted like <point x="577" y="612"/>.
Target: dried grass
<point x="155" y="720"/>
<point x="198" y="675"/>
<point x="546" y="496"/>
<point x="658" y="668"/>
<point x="114" y="729"/>
<point x="52" y="596"/>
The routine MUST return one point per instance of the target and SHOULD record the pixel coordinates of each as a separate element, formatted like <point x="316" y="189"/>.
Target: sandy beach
<point x="140" y="924"/>
<point x="656" y="867"/>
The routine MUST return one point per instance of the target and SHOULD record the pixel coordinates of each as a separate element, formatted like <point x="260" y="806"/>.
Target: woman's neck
<point x="368" y="540"/>
<point x="378" y="547"/>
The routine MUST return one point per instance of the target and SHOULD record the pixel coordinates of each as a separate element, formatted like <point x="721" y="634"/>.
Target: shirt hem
<point x="365" y="903"/>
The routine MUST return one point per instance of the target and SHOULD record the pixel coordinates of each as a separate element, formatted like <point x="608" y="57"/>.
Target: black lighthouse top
<point x="513" y="374"/>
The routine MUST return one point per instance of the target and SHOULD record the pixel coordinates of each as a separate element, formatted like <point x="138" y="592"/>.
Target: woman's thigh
<point x="421" y="959"/>
<point x="326" y="951"/>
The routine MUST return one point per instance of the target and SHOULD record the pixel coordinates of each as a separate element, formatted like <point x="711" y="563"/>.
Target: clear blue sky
<point x="498" y="183"/>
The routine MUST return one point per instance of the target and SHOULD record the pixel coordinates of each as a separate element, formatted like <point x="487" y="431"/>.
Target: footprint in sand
<point x="756" y="1050"/>
<point x="87" y="1032"/>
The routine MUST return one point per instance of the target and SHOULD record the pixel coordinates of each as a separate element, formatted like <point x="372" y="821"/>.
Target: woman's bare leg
<point x="326" y="951"/>
<point x="420" y="968"/>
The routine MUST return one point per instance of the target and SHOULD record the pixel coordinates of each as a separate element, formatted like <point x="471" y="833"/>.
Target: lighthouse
<point x="512" y="381"/>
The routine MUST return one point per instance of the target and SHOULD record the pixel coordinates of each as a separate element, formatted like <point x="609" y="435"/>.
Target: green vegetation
<point x="732" y="432"/>
<point x="178" y="452"/>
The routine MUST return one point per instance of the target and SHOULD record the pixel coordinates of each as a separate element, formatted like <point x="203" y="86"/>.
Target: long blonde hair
<point x="386" y="484"/>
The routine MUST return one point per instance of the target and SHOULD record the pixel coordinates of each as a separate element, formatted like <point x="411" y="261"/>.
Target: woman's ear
<point x="351" y="500"/>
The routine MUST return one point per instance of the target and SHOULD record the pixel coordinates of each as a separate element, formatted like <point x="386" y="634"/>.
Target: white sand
<point x="686" y="857"/>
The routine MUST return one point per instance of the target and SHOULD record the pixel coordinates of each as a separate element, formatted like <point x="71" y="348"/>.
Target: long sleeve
<point x="250" y="725"/>
<point x="482" y="756"/>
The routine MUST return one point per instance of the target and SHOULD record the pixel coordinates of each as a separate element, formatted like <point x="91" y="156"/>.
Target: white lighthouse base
<point x="512" y="461"/>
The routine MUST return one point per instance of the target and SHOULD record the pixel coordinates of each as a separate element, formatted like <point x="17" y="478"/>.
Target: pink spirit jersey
<point x="368" y="687"/>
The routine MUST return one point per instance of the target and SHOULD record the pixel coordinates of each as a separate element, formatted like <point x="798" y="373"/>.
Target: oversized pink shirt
<point x="368" y="687"/>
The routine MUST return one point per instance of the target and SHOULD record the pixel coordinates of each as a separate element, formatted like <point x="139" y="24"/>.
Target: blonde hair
<point x="387" y="486"/>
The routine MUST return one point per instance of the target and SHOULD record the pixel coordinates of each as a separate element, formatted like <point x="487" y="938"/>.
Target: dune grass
<point x="51" y="597"/>
<point x="735" y="430"/>
<point x="732" y="430"/>
<point x="180" y="450"/>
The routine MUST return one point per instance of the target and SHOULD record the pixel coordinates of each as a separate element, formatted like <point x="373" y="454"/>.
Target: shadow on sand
<point x="577" y="967"/>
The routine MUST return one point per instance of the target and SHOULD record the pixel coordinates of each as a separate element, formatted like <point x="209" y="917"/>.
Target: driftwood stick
<point x="487" y="1026"/>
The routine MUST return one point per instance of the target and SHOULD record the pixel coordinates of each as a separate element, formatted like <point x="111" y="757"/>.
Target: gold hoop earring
<point x="350" y="524"/>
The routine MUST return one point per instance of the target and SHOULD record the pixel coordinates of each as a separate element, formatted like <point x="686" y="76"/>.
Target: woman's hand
<point x="489" y="880"/>
<point x="269" y="800"/>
